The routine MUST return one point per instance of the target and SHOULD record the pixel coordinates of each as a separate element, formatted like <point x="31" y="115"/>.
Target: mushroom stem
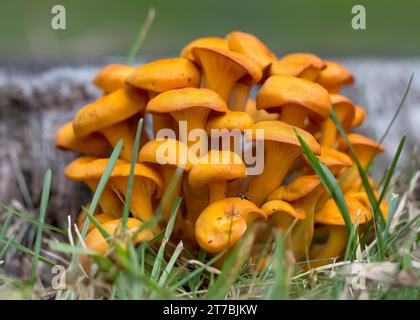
<point x="220" y="82"/>
<point x="329" y="130"/>
<point x="239" y="97"/>
<point x="217" y="190"/>
<point x="162" y="121"/>
<point x="168" y="173"/>
<point x="304" y="230"/>
<point x="278" y="159"/>
<point x="293" y="115"/>
<point x="195" y="118"/>
<point x="119" y="131"/>
<point x="196" y="199"/>
<point x="283" y="222"/>
<point x="141" y="196"/>
<point x="336" y="243"/>
<point x="109" y="200"/>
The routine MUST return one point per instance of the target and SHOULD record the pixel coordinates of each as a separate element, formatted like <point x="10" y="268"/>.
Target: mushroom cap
<point x="273" y="207"/>
<point x="278" y="91"/>
<point x="93" y="145"/>
<point x="359" y="116"/>
<point x="100" y="217"/>
<point x="224" y="222"/>
<point x="298" y="188"/>
<point x="230" y="121"/>
<point x="346" y="107"/>
<point x="258" y="115"/>
<point x="334" y="75"/>
<point x="251" y="71"/>
<point x="95" y="241"/>
<point x="329" y="213"/>
<point x="295" y="64"/>
<point x="108" y="110"/>
<point x="278" y="131"/>
<point x="334" y="159"/>
<point x="364" y="199"/>
<point x="112" y="77"/>
<point x="181" y="99"/>
<point x="216" y="166"/>
<point x="251" y="46"/>
<point x="86" y="168"/>
<point x="165" y="74"/>
<point x="208" y="42"/>
<point x="149" y="152"/>
<point x="357" y="140"/>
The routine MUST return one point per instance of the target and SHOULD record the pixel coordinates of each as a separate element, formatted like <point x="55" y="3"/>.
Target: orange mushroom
<point x="93" y="145"/>
<point x="301" y="65"/>
<point x="337" y="238"/>
<point x="190" y="105"/>
<point x="334" y="76"/>
<point x="208" y="42"/>
<point x="359" y="116"/>
<point x="214" y="170"/>
<point x="223" y="68"/>
<point x="295" y="99"/>
<point x="163" y="75"/>
<point x="303" y="194"/>
<point x="95" y="241"/>
<point x="255" y="49"/>
<point x="112" y="77"/>
<point x="147" y="182"/>
<point x="258" y="115"/>
<point x="224" y="222"/>
<point x="345" y="111"/>
<point x="281" y="148"/>
<point x="107" y="115"/>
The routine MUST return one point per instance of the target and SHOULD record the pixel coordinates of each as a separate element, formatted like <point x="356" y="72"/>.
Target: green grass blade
<point x="31" y="219"/>
<point x="42" y="212"/>
<point x="102" y="184"/>
<point x="134" y="157"/>
<point x="159" y="258"/>
<point x="279" y="289"/>
<point x="26" y="250"/>
<point x="170" y="264"/>
<point x="97" y="224"/>
<point x="141" y="36"/>
<point x="400" y="106"/>
<point x="392" y="208"/>
<point x="329" y="181"/>
<point x="390" y="173"/>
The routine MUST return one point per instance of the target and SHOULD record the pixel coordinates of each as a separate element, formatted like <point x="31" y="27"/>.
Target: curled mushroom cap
<point x="302" y="65"/>
<point x="295" y="98"/>
<point x="165" y="74"/>
<point x="330" y="214"/>
<point x="334" y="76"/>
<point x="296" y="189"/>
<point x="112" y="77"/>
<point x="108" y="110"/>
<point x="223" y="68"/>
<point x="147" y="182"/>
<point x="214" y="170"/>
<point x="224" y="222"/>
<point x="359" y="116"/>
<point x="95" y="241"/>
<point x="345" y="111"/>
<point x="93" y="145"/>
<point x="366" y="149"/>
<point x="107" y="115"/>
<point x="251" y="46"/>
<point x="281" y="148"/>
<point x="190" y="105"/>
<point x="334" y="160"/>
<point x="208" y="42"/>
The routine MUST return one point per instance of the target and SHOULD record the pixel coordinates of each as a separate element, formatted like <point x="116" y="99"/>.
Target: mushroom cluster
<point x="232" y="83"/>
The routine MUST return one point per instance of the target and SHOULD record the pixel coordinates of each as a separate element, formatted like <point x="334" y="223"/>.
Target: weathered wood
<point x="33" y="105"/>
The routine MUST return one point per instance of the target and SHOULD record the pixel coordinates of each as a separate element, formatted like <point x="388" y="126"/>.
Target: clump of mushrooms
<point x="224" y="84"/>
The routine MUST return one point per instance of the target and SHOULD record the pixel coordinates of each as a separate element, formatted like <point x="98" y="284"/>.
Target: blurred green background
<point x="98" y="28"/>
